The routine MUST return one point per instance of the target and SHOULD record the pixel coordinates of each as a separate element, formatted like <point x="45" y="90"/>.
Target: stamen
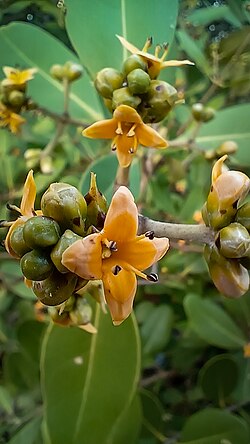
<point x="119" y="128"/>
<point x="113" y="246"/>
<point x="6" y="223"/>
<point x="147" y="45"/>
<point x="131" y="132"/>
<point x="131" y="151"/>
<point x="113" y="148"/>
<point x="130" y="267"/>
<point x="116" y="270"/>
<point x="13" y="208"/>
<point x="153" y="277"/>
<point x="150" y="235"/>
<point x="165" y="46"/>
<point x="157" y="50"/>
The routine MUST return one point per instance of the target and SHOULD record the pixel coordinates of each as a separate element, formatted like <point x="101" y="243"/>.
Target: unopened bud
<point x="234" y="241"/>
<point x="72" y="71"/>
<point x="123" y="96"/>
<point x="108" y="80"/>
<point x="57" y="71"/>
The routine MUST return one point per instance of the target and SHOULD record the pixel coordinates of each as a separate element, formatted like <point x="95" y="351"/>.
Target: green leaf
<point x="213" y="426"/>
<point x="153" y="416"/>
<point x="86" y="378"/>
<point x="156" y="329"/>
<point x="194" y="51"/>
<point x="29" y="433"/>
<point x="242" y="391"/>
<point x="92" y="27"/>
<point x="212" y="323"/>
<point x="204" y="16"/>
<point x="128" y="426"/>
<point x="27" y="46"/>
<point x="229" y="124"/>
<point x="218" y="377"/>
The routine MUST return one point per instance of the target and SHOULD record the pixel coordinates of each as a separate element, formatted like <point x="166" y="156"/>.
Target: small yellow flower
<point x="116" y="255"/>
<point x="26" y="209"/>
<point x="127" y="131"/>
<point x="10" y="119"/>
<point x="155" y="63"/>
<point x="15" y="77"/>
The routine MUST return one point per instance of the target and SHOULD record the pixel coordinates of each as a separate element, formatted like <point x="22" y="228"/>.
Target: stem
<point x="192" y="233"/>
<point x="53" y="141"/>
<point x="122" y="177"/>
<point x="65" y="119"/>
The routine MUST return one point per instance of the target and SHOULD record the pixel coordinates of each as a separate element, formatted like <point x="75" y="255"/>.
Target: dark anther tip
<point x="153" y="277"/>
<point x="150" y="235"/>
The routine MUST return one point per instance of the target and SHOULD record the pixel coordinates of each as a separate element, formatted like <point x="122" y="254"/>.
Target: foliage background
<point x="175" y="371"/>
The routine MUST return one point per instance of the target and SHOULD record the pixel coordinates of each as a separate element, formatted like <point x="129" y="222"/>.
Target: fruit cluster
<point x="228" y="258"/>
<point x="40" y="241"/>
<point x="133" y="86"/>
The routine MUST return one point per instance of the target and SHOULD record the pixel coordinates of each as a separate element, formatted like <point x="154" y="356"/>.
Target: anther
<point x="5" y="223"/>
<point x="113" y="148"/>
<point x="153" y="277"/>
<point x="147" y="45"/>
<point x="131" y="151"/>
<point x="116" y="270"/>
<point x="113" y="246"/>
<point x="150" y="235"/>
<point x="12" y="208"/>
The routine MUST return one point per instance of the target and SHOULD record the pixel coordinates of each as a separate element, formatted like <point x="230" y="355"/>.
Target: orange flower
<point x="16" y="77"/>
<point x="26" y="209"/>
<point x="116" y="255"/>
<point x="10" y="119"/>
<point x="155" y="63"/>
<point x="127" y="131"/>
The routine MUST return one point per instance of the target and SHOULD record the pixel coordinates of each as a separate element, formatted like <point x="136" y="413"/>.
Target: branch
<point x="192" y="233"/>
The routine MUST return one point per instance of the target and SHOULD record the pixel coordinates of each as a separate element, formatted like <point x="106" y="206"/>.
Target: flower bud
<point x="41" y="232"/>
<point x="108" y="80"/>
<point x="32" y="157"/>
<point x="134" y="61"/>
<point x="138" y="81"/>
<point x="36" y="265"/>
<point x="57" y="71"/>
<point x="123" y="96"/>
<point x="67" y="239"/>
<point x="46" y="164"/>
<point x="16" y="99"/>
<point x="17" y="242"/>
<point x="65" y="204"/>
<point x="228" y="275"/>
<point x="243" y="215"/>
<point x="56" y="289"/>
<point x="160" y="99"/>
<point x="234" y="241"/>
<point x="208" y="114"/>
<point x="72" y="71"/>
<point x="197" y="111"/>
<point x="228" y="147"/>
<point x="96" y="205"/>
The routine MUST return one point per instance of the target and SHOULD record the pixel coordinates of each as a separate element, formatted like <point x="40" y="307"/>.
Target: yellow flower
<point x="127" y="131"/>
<point x="116" y="255"/>
<point x="10" y="119"/>
<point x="15" y="77"/>
<point x="26" y="210"/>
<point x="155" y="63"/>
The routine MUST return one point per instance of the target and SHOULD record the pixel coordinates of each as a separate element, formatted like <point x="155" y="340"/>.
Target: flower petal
<point x="176" y="63"/>
<point x="29" y="195"/>
<point x="84" y="257"/>
<point x="141" y="253"/>
<point x="219" y="168"/>
<point x="121" y="222"/>
<point x="128" y="45"/>
<point x="126" y="148"/>
<point x="104" y="129"/>
<point x="147" y="136"/>
<point x="125" y="113"/>
<point x="119" y="293"/>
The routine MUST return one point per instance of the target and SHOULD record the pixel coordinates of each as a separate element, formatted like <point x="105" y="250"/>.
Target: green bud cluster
<point x="228" y="258"/>
<point x="153" y="99"/>
<point x="202" y="113"/>
<point x="40" y="241"/>
<point x="70" y="71"/>
<point x="14" y="97"/>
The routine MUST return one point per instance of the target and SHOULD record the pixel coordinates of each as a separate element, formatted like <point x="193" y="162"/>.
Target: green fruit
<point x="56" y="289"/>
<point x="36" y="265"/>
<point x="234" y="241"/>
<point x="108" y="80"/>
<point x="243" y="215"/>
<point x="67" y="239"/>
<point x="17" y="242"/>
<point x="66" y="205"/>
<point x="123" y="96"/>
<point x="41" y="232"/>
<point x="134" y="61"/>
<point x="138" y="81"/>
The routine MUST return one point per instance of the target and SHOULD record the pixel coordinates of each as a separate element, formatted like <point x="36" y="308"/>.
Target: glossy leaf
<point x="22" y="44"/>
<point x="205" y="16"/>
<point x="92" y="28"/>
<point x="128" y="426"/>
<point x="212" y="323"/>
<point x="29" y="434"/>
<point x="213" y="426"/>
<point x="156" y="329"/>
<point x="194" y="51"/>
<point x="88" y="377"/>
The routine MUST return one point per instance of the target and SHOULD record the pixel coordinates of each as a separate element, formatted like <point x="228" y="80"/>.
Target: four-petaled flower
<point x="155" y="63"/>
<point x="127" y="131"/>
<point x="116" y="255"/>
<point x="26" y="210"/>
<point x="10" y="119"/>
<point x="15" y="77"/>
